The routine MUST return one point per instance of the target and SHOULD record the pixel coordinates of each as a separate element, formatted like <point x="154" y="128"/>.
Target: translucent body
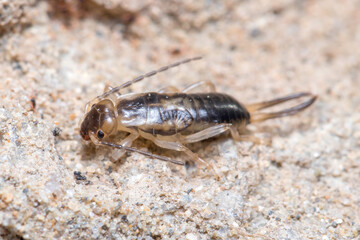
<point x="179" y="113"/>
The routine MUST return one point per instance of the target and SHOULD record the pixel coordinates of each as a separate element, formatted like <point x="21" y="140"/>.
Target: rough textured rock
<point x="15" y="14"/>
<point x="57" y="55"/>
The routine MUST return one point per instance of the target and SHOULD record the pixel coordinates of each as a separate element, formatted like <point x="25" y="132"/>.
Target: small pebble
<point x="56" y="131"/>
<point x="79" y="176"/>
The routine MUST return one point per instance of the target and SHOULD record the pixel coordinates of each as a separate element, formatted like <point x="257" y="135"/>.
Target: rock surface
<point x="57" y="55"/>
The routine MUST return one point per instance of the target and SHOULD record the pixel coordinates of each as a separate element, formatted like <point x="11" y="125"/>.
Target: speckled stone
<point x="55" y="56"/>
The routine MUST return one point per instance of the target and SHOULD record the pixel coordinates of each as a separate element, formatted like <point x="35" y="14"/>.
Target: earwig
<point x="171" y="118"/>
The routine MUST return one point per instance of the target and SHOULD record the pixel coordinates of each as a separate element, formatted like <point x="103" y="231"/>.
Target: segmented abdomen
<point x="167" y="114"/>
<point x="215" y="108"/>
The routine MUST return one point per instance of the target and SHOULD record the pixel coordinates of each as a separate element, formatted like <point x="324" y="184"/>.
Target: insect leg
<point x="146" y="75"/>
<point x="209" y="86"/>
<point x="130" y="149"/>
<point x="179" y="147"/>
<point x="206" y="133"/>
<point x="113" y="97"/>
<point x="90" y="104"/>
<point x="108" y="88"/>
<point x="169" y="89"/>
<point x="116" y="154"/>
<point x="249" y="138"/>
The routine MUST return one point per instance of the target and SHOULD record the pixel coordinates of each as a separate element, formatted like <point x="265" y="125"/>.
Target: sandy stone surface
<point x="57" y="55"/>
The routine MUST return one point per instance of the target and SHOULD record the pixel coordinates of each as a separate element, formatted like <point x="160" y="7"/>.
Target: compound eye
<point x="100" y="134"/>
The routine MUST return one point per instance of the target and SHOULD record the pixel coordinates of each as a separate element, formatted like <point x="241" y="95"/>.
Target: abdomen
<point x="215" y="108"/>
<point x="168" y="114"/>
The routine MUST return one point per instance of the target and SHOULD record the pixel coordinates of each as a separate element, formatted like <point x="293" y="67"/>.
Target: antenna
<point x="147" y="75"/>
<point x="130" y="149"/>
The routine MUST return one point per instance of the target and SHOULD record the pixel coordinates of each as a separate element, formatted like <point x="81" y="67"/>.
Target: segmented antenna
<point x="130" y="149"/>
<point x="147" y="75"/>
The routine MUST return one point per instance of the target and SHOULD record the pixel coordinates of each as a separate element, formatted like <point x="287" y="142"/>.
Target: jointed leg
<point x="178" y="147"/>
<point x="169" y="89"/>
<point x="117" y="153"/>
<point x="209" y="86"/>
<point x="206" y="133"/>
<point x="96" y="100"/>
<point x="113" y="96"/>
<point x="249" y="138"/>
